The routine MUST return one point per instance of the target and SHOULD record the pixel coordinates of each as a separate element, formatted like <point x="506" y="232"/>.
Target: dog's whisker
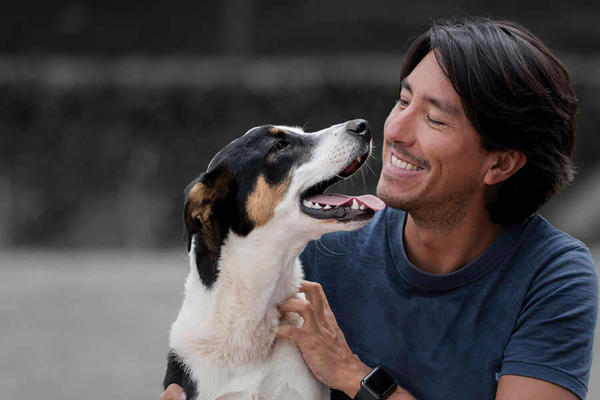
<point x="362" y="174"/>
<point x="371" y="169"/>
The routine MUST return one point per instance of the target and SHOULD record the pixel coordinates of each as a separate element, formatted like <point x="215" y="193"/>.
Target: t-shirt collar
<point x="471" y="272"/>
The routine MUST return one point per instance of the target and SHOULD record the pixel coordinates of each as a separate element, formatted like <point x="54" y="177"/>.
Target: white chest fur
<point x="226" y="335"/>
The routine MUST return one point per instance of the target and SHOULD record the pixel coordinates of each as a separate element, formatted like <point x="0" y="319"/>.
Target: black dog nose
<point x="359" y="127"/>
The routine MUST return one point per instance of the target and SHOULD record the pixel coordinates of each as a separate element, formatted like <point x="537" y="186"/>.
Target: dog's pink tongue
<point x="335" y="200"/>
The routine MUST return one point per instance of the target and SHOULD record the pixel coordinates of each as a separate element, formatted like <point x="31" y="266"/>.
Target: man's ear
<point x="505" y="164"/>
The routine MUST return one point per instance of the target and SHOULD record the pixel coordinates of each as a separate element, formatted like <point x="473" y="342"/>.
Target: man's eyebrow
<point x="443" y="105"/>
<point x="405" y="85"/>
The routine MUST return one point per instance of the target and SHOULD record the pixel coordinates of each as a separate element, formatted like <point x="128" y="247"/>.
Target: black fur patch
<point x="177" y="373"/>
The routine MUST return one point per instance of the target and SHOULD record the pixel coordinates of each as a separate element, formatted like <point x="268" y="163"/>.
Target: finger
<point x="314" y="293"/>
<point x="301" y="307"/>
<point x="289" y="332"/>
<point x="173" y="392"/>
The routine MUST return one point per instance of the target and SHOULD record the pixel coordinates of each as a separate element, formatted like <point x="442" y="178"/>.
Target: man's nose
<point x="359" y="127"/>
<point x="400" y="126"/>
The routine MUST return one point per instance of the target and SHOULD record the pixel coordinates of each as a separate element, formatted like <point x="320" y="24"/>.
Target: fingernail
<point x="182" y="395"/>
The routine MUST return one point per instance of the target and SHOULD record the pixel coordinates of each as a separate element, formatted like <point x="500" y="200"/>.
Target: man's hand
<point x="322" y="342"/>
<point x="173" y="392"/>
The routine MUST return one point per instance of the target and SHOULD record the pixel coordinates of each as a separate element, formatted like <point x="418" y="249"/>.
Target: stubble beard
<point x="441" y="213"/>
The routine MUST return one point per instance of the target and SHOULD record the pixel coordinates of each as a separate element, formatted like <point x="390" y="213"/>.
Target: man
<point x="465" y="294"/>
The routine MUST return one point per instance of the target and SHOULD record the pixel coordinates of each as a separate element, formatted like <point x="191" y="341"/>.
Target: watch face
<point x="380" y="382"/>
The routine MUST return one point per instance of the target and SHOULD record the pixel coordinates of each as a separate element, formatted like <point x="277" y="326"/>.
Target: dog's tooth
<point x="309" y="204"/>
<point x="306" y="203"/>
<point x="354" y="204"/>
<point x="361" y="207"/>
<point x="327" y="207"/>
<point x="317" y="205"/>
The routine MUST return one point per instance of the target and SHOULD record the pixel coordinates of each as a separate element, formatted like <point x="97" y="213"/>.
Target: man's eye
<point x="402" y="102"/>
<point x="282" y="144"/>
<point x="435" y="122"/>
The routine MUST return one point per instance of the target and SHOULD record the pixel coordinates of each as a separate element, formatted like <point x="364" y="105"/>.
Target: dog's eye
<point x="282" y="144"/>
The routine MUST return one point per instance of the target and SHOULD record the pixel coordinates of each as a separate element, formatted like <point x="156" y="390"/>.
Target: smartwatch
<point x="377" y="385"/>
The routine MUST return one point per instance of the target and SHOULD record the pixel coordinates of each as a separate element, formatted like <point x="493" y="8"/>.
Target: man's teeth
<point x="355" y="205"/>
<point x="403" y="164"/>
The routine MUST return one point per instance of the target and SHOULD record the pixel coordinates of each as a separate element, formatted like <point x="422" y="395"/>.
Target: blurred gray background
<point x="108" y="109"/>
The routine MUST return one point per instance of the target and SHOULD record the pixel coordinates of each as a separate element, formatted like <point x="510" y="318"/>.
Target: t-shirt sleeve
<point x="554" y="333"/>
<point x="307" y="259"/>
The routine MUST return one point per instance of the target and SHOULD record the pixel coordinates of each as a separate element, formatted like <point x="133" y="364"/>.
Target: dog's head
<point x="274" y="177"/>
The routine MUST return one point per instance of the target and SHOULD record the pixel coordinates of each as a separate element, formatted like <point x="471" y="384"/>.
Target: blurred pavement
<point x="94" y="325"/>
<point x="87" y="325"/>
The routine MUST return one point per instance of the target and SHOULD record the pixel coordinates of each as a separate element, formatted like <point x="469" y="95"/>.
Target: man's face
<point x="432" y="155"/>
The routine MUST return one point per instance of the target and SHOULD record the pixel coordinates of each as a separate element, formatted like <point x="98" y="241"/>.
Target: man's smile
<point x="397" y="162"/>
<point x="398" y="167"/>
<point x="402" y="164"/>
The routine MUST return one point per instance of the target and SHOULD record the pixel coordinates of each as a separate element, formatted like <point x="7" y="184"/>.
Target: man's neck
<point x="444" y="249"/>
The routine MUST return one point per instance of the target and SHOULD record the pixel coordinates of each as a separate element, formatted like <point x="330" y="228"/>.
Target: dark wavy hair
<point x="517" y="95"/>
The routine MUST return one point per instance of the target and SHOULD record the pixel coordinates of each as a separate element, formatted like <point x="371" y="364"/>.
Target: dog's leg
<point x="177" y="373"/>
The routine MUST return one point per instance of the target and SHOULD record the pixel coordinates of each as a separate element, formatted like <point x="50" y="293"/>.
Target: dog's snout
<point x="359" y="127"/>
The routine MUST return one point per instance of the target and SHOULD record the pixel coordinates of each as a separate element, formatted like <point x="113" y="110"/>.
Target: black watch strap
<point x="364" y="394"/>
<point x="377" y="385"/>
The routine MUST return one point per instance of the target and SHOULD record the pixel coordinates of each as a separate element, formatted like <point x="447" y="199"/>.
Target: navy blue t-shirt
<point x="526" y="306"/>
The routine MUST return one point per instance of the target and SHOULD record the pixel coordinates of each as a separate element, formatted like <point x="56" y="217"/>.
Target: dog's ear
<point x="204" y="198"/>
<point x="209" y="213"/>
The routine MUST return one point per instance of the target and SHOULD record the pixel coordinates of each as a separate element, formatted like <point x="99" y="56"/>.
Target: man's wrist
<point x="356" y="372"/>
<point x="399" y="394"/>
<point x="352" y="374"/>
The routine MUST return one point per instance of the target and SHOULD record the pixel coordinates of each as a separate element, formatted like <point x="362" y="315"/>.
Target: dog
<point x="247" y="219"/>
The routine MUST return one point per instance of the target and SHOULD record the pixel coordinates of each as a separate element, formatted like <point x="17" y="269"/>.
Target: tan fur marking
<point x="199" y="206"/>
<point x="200" y="197"/>
<point x="275" y="131"/>
<point x="263" y="200"/>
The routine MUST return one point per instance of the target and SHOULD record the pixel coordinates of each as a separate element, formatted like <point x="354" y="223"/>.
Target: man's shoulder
<point x="539" y="232"/>
<point x="552" y="254"/>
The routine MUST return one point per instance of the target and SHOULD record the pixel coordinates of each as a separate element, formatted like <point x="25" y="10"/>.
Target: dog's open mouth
<point x="341" y="207"/>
